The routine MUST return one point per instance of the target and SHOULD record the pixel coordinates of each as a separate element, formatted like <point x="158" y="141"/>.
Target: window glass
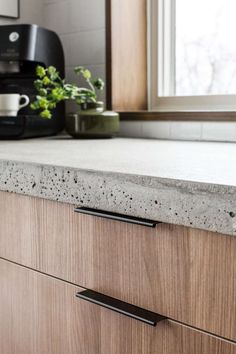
<point x="205" y="47"/>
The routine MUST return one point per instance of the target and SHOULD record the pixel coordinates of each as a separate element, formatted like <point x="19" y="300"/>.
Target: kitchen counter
<point x="185" y="183"/>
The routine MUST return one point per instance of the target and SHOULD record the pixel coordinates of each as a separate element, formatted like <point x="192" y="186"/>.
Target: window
<point x="192" y="55"/>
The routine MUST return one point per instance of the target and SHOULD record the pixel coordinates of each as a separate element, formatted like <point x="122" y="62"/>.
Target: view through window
<point x="205" y="47"/>
<point x="192" y="55"/>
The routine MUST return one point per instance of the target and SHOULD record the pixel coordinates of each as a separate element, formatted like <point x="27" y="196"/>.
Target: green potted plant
<point x="90" y="120"/>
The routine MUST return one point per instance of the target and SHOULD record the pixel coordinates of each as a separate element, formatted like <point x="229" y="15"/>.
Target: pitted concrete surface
<point x="184" y="183"/>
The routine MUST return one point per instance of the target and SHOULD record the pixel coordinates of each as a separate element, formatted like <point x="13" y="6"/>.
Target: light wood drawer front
<point x="184" y="274"/>
<point x="41" y="315"/>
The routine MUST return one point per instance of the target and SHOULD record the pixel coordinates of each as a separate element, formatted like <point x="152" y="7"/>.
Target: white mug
<point x="10" y="104"/>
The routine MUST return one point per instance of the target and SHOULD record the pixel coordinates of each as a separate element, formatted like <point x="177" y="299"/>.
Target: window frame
<point x="161" y="68"/>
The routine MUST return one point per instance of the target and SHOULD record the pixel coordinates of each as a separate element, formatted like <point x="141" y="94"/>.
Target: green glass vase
<point x="92" y="122"/>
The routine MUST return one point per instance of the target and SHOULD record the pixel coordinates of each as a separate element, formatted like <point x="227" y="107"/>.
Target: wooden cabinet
<point x="41" y="315"/>
<point x="184" y="274"/>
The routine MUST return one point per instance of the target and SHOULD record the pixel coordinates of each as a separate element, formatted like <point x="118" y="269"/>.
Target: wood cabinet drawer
<point x="184" y="274"/>
<point x="41" y="315"/>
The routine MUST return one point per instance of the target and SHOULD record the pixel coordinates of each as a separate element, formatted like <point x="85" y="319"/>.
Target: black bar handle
<point x="121" y="307"/>
<point x="117" y="217"/>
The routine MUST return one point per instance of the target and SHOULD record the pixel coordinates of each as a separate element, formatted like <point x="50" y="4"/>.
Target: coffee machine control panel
<point x="10" y="45"/>
<point x="16" y="42"/>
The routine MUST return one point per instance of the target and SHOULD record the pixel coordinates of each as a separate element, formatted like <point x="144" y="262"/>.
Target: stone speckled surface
<point x="185" y="183"/>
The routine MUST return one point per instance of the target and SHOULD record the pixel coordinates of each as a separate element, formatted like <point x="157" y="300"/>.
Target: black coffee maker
<point x="22" y="48"/>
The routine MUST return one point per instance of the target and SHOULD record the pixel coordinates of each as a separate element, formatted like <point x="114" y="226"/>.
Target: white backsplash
<point x="205" y="131"/>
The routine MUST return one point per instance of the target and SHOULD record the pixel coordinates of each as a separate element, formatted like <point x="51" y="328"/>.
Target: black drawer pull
<point x="124" y="308"/>
<point x="118" y="217"/>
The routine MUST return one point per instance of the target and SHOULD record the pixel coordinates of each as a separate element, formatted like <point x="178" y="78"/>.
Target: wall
<point x="81" y="27"/>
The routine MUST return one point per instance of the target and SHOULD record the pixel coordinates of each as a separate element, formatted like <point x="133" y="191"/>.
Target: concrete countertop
<point x="185" y="183"/>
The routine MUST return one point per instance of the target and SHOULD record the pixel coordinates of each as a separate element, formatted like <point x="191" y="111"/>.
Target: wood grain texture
<point x="41" y="315"/>
<point x="179" y="116"/>
<point x="185" y="274"/>
<point x="126" y="54"/>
